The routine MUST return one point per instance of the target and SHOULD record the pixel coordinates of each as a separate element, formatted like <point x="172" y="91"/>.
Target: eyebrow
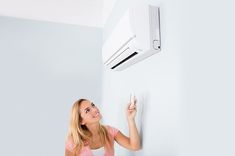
<point x="88" y="107"/>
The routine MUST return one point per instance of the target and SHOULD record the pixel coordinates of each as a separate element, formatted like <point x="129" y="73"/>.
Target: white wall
<point x="44" y="68"/>
<point x="185" y="93"/>
<point x="107" y="9"/>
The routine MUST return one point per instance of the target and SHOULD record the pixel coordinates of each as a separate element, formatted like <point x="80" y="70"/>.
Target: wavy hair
<point x="80" y="134"/>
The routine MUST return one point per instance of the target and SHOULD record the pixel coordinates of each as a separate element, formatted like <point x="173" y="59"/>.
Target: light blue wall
<point x="44" y="68"/>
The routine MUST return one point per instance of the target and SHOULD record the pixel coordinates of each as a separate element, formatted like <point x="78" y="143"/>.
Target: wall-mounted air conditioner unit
<point x="135" y="37"/>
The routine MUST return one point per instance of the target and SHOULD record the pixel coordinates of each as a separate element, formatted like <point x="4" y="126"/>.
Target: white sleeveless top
<point x="98" y="152"/>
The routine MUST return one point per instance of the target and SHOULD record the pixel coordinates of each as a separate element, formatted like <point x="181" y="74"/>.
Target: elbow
<point x="136" y="148"/>
<point x="135" y="145"/>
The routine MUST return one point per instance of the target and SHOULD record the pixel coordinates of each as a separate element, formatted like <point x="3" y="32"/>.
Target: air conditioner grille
<point x="124" y="60"/>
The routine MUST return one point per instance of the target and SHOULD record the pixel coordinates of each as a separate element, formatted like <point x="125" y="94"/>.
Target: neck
<point x="94" y="128"/>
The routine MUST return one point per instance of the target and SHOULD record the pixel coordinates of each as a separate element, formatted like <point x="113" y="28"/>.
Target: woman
<point x="87" y="137"/>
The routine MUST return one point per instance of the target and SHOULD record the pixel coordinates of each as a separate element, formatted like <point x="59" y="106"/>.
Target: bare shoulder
<point x="111" y="130"/>
<point x="68" y="152"/>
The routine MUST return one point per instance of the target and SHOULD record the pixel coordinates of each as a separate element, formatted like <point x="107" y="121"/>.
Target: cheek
<point x="85" y="117"/>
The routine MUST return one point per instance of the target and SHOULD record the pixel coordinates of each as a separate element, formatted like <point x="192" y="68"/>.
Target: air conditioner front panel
<point x="120" y="35"/>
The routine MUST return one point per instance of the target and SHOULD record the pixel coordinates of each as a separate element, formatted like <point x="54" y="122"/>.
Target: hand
<point x="131" y="110"/>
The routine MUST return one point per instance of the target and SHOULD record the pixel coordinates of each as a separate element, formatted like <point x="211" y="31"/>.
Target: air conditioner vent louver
<point x="127" y="58"/>
<point x="120" y="51"/>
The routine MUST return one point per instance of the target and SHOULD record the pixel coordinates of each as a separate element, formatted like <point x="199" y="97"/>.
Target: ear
<point x="82" y="122"/>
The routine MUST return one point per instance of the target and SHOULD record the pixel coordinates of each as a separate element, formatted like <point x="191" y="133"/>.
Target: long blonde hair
<point x="80" y="134"/>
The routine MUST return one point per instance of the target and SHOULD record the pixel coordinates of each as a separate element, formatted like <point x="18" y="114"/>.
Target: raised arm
<point x="133" y="141"/>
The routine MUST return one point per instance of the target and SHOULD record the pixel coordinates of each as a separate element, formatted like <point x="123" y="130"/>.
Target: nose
<point x="94" y="109"/>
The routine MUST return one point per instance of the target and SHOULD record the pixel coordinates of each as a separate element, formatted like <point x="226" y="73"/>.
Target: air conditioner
<point x="135" y="37"/>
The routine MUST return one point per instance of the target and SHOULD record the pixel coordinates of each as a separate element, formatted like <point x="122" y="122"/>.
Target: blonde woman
<point x="87" y="137"/>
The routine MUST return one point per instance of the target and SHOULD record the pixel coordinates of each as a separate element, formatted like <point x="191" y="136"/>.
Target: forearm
<point x="133" y="135"/>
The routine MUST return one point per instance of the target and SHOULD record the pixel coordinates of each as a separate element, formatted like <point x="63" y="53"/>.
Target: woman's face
<point x="89" y="113"/>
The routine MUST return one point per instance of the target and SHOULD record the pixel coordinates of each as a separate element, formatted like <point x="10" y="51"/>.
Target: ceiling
<point x="78" y="12"/>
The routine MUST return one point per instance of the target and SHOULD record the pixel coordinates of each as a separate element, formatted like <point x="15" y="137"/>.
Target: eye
<point x="92" y="104"/>
<point x="87" y="110"/>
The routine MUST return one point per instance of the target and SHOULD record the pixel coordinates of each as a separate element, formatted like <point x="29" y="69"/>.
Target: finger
<point x="128" y="105"/>
<point x="132" y="107"/>
<point x="135" y="100"/>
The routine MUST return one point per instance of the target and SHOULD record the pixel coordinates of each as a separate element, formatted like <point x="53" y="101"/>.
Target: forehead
<point x="85" y="104"/>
